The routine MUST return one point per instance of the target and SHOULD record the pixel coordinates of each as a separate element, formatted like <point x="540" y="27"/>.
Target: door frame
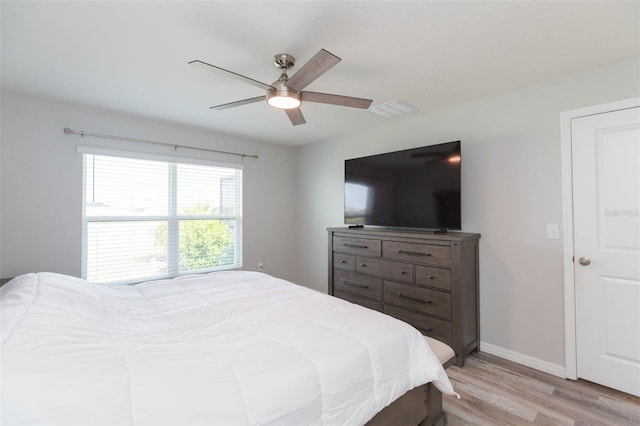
<point x="570" y="353"/>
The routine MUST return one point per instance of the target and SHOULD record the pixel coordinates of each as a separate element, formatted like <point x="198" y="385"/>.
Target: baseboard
<point x="526" y="360"/>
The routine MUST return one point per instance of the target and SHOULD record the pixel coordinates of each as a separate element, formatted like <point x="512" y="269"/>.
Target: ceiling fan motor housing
<point x="280" y="96"/>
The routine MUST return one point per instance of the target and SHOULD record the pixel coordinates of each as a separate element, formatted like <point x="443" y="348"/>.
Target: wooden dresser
<point x="428" y="280"/>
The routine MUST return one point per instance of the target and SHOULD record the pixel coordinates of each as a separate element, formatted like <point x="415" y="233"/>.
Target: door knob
<point x="584" y="260"/>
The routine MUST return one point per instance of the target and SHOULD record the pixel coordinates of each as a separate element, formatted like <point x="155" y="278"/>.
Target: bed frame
<point x="420" y="406"/>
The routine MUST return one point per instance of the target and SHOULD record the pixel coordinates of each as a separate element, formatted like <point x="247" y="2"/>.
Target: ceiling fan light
<point x="284" y="102"/>
<point x="280" y="96"/>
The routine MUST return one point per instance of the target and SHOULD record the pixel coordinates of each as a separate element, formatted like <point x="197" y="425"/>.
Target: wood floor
<point x="494" y="391"/>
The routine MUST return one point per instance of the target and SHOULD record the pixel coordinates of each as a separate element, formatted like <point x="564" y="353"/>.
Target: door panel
<point x="606" y="190"/>
<point x="619" y="300"/>
<point x="618" y="180"/>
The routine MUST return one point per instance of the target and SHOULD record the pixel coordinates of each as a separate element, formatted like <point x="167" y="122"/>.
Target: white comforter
<point x="226" y="348"/>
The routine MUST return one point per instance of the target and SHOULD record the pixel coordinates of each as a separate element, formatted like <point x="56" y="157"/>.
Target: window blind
<point x="148" y="218"/>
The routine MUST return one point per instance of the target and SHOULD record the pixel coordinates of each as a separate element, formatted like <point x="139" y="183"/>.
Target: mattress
<point x="226" y="348"/>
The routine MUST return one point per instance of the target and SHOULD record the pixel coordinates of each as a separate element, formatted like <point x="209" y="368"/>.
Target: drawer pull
<point x="414" y="253"/>
<point x="413" y="299"/>
<point x="403" y="272"/>
<point x="343" y="261"/>
<point x="354" y="284"/>
<point x="355" y="246"/>
<point x="426" y="330"/>
<point x="363" y="265"/>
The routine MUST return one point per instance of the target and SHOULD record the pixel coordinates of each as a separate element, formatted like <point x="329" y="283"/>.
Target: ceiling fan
<point x="287" y="93"/>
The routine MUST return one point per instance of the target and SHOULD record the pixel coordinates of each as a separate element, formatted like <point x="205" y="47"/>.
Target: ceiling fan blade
<point x="295" y="115"/>
<point x="231" y="74"/>
<point x="238" y="103"/>
<point x="326" y="98"/>
<point x="314" y="68"/>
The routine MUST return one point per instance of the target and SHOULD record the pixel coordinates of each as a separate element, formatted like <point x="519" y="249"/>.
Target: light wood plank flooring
<point x="498" y="392"/>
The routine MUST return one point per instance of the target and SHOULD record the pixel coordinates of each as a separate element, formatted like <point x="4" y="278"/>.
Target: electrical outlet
<point x="260" y="265"/>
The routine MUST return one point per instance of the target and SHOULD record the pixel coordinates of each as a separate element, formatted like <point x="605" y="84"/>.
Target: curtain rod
<point x="69" y="131"/>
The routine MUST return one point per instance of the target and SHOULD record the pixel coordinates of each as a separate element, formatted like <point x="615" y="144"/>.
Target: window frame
<point x="172" y="218"/>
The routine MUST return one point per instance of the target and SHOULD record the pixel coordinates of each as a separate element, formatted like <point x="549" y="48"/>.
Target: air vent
<point x="393" y="108"/>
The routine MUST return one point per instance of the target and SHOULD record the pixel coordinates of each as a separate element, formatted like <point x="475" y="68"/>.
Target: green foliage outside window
<point x="204" y="243"/>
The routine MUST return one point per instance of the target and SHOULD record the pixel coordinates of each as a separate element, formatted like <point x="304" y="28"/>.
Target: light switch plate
<point x="553" y="231"/>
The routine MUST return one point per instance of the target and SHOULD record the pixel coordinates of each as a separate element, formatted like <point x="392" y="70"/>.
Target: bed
<point x="226" y="348"/>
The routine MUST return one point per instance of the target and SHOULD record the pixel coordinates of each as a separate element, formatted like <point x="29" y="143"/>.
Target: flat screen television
<point x="414" y="188"/>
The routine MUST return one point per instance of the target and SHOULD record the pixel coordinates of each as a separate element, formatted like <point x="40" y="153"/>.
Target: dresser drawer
<point x="432" y="327"/>
<point x="385" y="268"/>
<point x="361" y="285"/>
<point x="431" y="302"/>
<point x="419" y="253"/>
<point x="346" y="262"/>
<point x="357" y="246"/>
<point x="433" y="277"/>
<point x="376" y="305"/>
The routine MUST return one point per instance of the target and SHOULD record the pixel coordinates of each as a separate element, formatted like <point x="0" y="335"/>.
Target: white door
<point x="606" y="208"/>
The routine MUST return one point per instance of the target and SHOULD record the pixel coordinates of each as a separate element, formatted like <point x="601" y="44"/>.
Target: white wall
<point x="40" y="188"/>
<point x="511" y="187"/>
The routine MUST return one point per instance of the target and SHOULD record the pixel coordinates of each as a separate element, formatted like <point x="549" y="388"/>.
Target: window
<point x="146" y="218"/>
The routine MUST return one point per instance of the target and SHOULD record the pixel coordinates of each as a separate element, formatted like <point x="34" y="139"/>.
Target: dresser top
<point x="405" y="233"/>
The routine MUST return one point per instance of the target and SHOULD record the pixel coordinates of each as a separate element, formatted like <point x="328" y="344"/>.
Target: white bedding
<point x="226" y="348"/>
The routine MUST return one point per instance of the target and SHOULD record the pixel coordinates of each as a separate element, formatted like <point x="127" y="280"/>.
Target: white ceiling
<point x="132" y="56"/>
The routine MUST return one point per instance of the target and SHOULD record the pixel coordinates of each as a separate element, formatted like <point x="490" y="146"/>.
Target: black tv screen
<point x="413" y="188"/>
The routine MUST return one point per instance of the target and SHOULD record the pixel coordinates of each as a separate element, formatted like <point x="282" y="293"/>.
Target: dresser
<point x="426" y="279"/>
